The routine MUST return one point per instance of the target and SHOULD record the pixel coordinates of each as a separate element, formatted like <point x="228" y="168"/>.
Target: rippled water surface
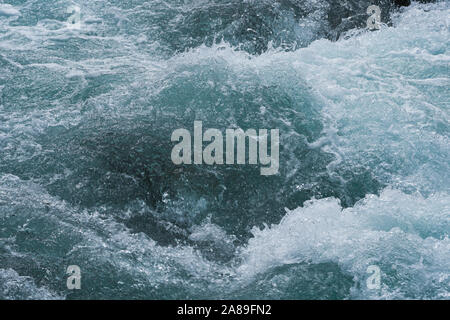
<point x="86" y="178"/>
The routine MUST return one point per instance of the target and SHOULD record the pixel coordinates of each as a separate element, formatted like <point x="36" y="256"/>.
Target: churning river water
<point x="86" y="178"/>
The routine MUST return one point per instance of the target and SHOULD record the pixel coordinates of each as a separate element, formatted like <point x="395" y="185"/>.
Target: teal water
<point x="86" y="178"/>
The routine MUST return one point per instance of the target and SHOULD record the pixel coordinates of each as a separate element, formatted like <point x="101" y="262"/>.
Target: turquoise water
<point x="86" y="178"/>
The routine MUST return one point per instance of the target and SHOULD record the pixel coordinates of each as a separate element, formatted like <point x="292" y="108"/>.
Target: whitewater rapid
<point x="85" y="177"/>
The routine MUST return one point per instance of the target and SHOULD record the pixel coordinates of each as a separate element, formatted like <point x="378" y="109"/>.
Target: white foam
<point x="13" y="287"/>
<point x="405" y="235"/>
<point x="8" y="10"/>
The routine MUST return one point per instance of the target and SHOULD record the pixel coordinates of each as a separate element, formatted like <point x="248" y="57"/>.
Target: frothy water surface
<point x="86" y="178"/>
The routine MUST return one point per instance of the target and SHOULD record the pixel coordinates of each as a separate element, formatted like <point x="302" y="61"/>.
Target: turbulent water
<point x="86" y="178"/>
